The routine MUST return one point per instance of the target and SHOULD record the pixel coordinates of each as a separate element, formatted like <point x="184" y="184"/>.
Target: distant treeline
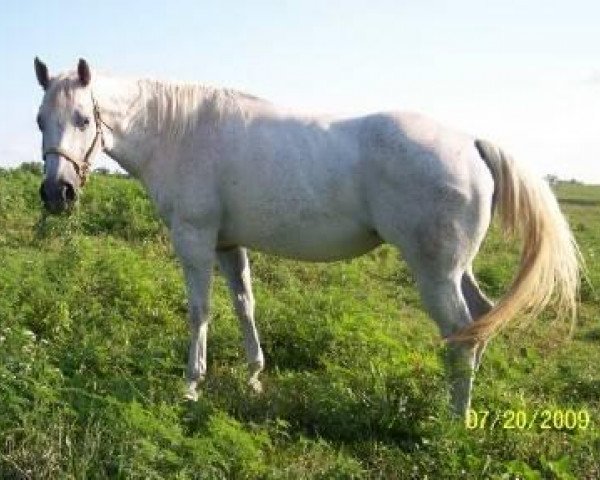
<point x="37" y="168"/>
<point x="554" y="180"/>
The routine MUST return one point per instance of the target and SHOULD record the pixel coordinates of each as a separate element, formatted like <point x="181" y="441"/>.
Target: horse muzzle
<point x="58" y="197"/>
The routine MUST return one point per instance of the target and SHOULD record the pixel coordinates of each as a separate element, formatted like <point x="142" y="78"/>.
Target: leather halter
<point x="82" y="167"/>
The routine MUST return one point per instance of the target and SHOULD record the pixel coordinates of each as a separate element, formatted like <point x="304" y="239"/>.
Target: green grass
<point x="93" y="341"/>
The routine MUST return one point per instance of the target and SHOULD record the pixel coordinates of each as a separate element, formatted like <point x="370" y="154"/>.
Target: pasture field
<point x="93" y="343"/>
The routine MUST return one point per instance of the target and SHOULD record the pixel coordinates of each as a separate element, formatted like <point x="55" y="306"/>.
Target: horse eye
<point x="82" y="121"/>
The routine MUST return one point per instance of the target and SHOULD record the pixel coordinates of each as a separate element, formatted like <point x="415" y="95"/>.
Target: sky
<point x="524" y="74"/>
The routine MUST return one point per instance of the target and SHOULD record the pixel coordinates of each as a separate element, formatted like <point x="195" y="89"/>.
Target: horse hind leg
<point x="439" y="233"/>
<point x="445" y="302"/>
<point x="476" y="300"/>
<point x="478" y="304"/>
<point x="438" y="250"/>
<point x="453" y="299"/>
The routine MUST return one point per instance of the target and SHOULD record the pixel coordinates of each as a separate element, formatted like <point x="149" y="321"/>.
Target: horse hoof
<point x="255" y="385"/>
<point x="191" y="395"/>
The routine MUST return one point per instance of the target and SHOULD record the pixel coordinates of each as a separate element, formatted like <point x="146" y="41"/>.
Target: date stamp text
<point x="543" y="419"/>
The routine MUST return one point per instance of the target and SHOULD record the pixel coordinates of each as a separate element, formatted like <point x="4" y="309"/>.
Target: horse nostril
<point x="68" y="193"/>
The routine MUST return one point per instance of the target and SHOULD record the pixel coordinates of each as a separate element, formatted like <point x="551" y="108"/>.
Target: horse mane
<point x="176" y="109"/>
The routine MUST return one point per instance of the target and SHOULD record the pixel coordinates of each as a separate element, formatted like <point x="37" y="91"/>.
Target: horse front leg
<point x="236" y="268"/>
<point x="195" y="248"/>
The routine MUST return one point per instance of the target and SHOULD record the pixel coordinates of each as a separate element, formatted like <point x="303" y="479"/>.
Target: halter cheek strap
<point x="82" y="167"/>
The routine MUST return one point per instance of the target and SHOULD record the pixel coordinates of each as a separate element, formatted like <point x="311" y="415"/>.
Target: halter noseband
<point x="82" y="167"/>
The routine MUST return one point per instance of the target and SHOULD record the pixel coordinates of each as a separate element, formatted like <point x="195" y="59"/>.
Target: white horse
<point x="227" y="171"/>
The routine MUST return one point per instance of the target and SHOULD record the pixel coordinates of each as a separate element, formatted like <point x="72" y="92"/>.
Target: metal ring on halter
<point x="82" y="167"/>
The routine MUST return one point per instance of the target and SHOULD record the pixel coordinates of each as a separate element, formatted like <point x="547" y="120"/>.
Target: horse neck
<point x="137" y="138"/>
<point x="148" y="119"/>
<point x="119" y="102"/>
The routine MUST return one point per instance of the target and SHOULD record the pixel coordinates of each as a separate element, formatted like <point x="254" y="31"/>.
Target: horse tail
<point x="550" y="259"/>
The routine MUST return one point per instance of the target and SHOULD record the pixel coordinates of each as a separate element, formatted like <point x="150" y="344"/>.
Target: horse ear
<point x="83" y="70"/>
<point x="41" y="72"/>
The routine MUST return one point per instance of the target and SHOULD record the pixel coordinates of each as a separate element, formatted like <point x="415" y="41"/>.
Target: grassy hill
<point x="93" y="342"/>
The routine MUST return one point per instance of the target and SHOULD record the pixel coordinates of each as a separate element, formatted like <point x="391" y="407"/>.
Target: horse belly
<point x="311" y="241"/>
